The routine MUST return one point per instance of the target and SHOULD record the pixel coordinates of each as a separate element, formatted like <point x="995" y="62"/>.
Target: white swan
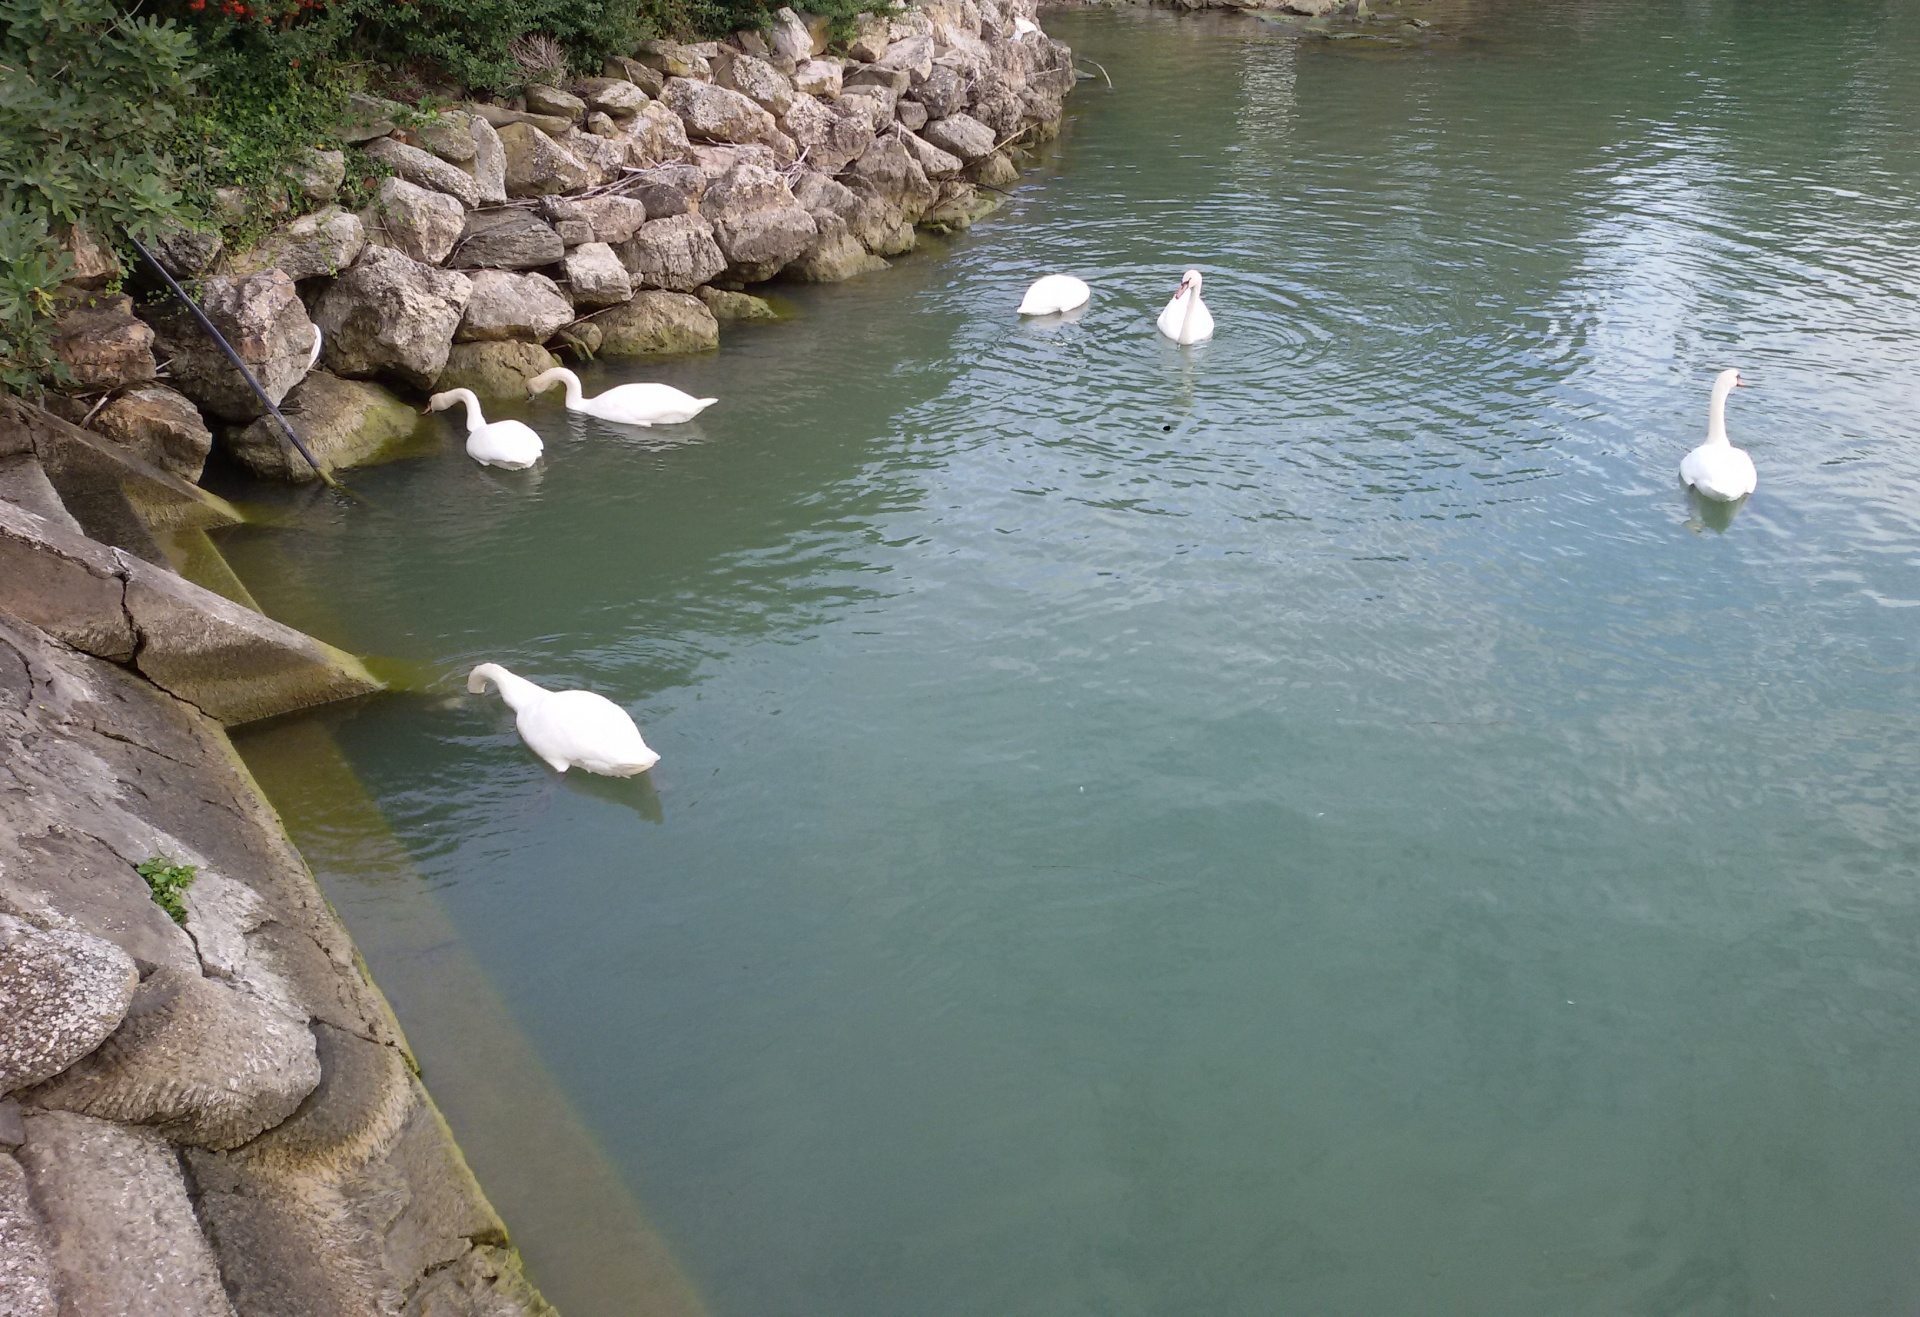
<point x="1186" y="319"/>
<point x="509" y="444"/>
<point x="1054" y="293"/>
<point x="314" y="356"/>
<point x="629" y="404"/>
<point x="1716" y="468"/>
<point x="569" y="729"/>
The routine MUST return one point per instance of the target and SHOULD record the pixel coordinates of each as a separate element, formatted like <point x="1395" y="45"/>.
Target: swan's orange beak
<point x="1741" y="384"/>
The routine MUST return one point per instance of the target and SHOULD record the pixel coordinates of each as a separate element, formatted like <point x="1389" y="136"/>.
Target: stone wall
<point x="619" y="216"/>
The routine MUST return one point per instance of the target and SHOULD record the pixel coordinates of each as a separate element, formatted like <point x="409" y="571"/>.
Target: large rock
<point x="834" y="255"/>
<point x="730" y="308"/>
<point x="323" y="243"/>
<point x="654" y="323"/>
<point x="673" y="60"/>
<point x="995" y="169"/>
<point x="26" y="1267"/>
<point x="614" y="96"/>
<point x="756" y="222"/>
<point x="448" y="135"/>
<point x="831" y="135"/>
<point x="392" y="315"/>
<point x="553" y="101"/>
<point x="425" y="169"/>
<point x="317" y="175"/>
<point x="817" y="77"/>
<point x="411" y="219"/>
<point x="890" y="171"/>
<point x="613" y="219"/>
<point x="498" y="370"/>
<point x="758" y="81"/>
<point x="789" y="37"/>
<point x="161" y="426"/>
<point x="655" y="136"/>
<point x="934" y="162"/>
<point x="595" y="276"/>
<point x="961" y="134"/>
<point x="912" y="56"/>
<point x="346" y="423"/>
<point x="508" y="305"/>
<point x="489" y="162"/>
<point x="878" y="220"/>
<point x="102" y="345"/>
<point x="513" y="238"/>
<point x="871" y="37"/>
<point x="603" y="156"/>
<point x="716" y="114"/>
<point x="264" y="320"/>
<point x="537" y="165"/>
<point x="124" y="1234"/>
<point x="911" y="115"/>
<point x="201" y="1062"/>
<point x="647" y="78"/>
<point x="666" y="190"/>
<point x="61" y="994"/>
<point x="186" y="253"/>
<point x="677" y="253"/>
<point x="944" y="92"/>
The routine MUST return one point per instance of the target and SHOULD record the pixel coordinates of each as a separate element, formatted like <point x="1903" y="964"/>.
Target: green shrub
<point x="89" y="99"/>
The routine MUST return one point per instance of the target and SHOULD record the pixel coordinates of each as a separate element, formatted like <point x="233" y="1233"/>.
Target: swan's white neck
<point x="572" y="381"/>
<point x="474" y="417"/>
<point x="518" y="692"/>
<point x="1717" y="415"/>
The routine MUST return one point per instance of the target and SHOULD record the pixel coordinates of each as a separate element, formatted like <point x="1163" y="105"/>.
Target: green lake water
<point x="1313" y="823"/>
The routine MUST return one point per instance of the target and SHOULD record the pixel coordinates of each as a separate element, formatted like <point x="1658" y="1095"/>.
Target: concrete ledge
<point x="222" y="657"/>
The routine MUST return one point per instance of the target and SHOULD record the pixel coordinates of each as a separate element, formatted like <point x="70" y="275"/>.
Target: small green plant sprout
<point x="168" y="882"/>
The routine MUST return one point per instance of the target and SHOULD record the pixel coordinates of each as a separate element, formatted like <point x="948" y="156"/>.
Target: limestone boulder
<point x="823" y="196"/>
<point x="612" y="219"/>
<point x="912" y="56"/>
<point x="500" y="116"/>
<point x="537" y="166"/>
<point x="889" y="170"/>
<point x="448" y="135"/>
<point x="943" y="92"/>
<point x="789" y="36"/>
<point x="962" y="135"/>
<point x="889" y="79"/>
<point x="392" y="315"/>
<point x="367" y="117"/>
<point x="834" y="255"/>
<point x="123" y="1233"/>
<point x="159" y="425"/>
<point x="61" y="994"/>
<point x="553" y="101"/>
<point x="617" y="97"/>
<point x="716" y="114"/>
<point x="317" y="175"/>
<point x="27" y="1286"/>
<point x="102" y="345"/>
<point x="507" y="305"/>
<point x="911" y="115"/>
<point x="756" y="222"/>
<point x="425" y="169"/>
<point x="667" y="190"/>
<point x="201" y="1062"/>
<point x="995" y="169"/>
<point x="871" y="37"/>
<point x="323" y="243"/>
<point x="603" y="157"/>
<point x="411" y="219"/>
<point x="876" y="103"/>
<point x="647" y="78"/>
<point x="346" y="423"/>
<point x="656" y="323"/>
<point x="186" y="253"/>
<point x="1000" y="109"/>
<point x="489" y="162"/>
<point x="731" y="308"/>
<point x="956" y="205"/>
<point x="595" y="276"/>
<point x="934" y="162"/>
<point x="878" y="220"/>
<point x="817" y="77"/>
<point x="264" y="320"/>
<point x="513" y="238"/>
<point x="655" y="136"/>
<point x="831" y="135"/>
<point x="758" y="81"/>
<point x="678" y="253"/>
<point x="673" y="60"/>
<point x="94" y="264"/>
<point x="494" y="370"/>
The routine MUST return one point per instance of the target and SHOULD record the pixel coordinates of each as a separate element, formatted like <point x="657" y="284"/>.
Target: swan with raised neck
<point x="1716" y="468"/>
<point x="1186" y="319"/>
<point x="624" y="404"/>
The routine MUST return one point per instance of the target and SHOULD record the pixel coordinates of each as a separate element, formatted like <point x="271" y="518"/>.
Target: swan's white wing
<point x="1054" y="293"/>
<point x="588" y="731"/>
<point x="647" y="404"/>
<point x="510" y="444"/>
<point x="1719" y="472"/>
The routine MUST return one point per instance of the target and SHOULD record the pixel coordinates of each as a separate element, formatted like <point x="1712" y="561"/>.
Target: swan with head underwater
<point x="1186" y="319"/>
<point x="569" y="729"/>
<point x="509" y="444"/>
<point x="1052" y="294"/>
<point x="627" y="404"/>
<point x="1716" y="468"/>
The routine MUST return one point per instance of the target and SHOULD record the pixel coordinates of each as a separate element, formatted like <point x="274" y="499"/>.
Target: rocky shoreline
<point x="619" y="216"/>
<point x="206" y="1107"/>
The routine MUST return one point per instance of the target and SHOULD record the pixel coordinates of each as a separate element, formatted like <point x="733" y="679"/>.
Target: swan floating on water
<point x="1716" y="468"/>
<point x="509" y="444"/>
<point x="629" y="404"/>
<point x="569" y="729"/>
<point x="1186" y="319"/>
<point x="1054" y="293"/>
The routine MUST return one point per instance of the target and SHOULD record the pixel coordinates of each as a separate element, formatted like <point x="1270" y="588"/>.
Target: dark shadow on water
<point x="1710" y="513"/>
